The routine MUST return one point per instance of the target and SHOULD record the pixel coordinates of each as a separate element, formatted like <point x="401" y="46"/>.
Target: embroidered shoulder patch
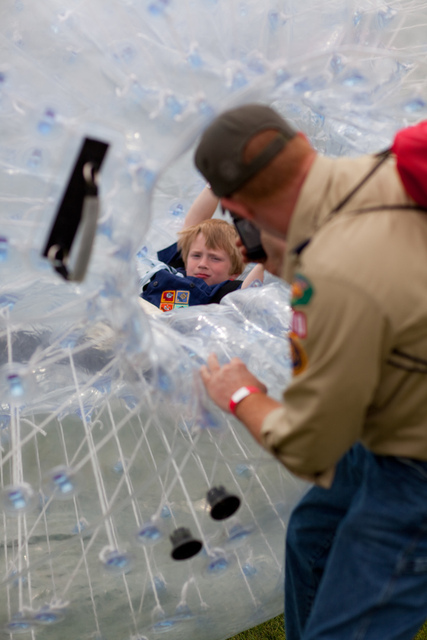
<point x="302" y="290"/>
<point x="174" y="300"/>
<point x="168" y="296"/>
<point x="299" y="324"/>
<point x="166" y="306"/>
<point x="182" y="297"/>
<point x="298" y="354"/>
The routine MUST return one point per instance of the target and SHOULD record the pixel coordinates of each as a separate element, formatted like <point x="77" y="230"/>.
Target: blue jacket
<point x="171" y="288"/>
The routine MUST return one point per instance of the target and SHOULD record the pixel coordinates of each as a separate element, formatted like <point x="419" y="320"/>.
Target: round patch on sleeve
<point x="302" y="290"/>
<point x="298" y="354"/>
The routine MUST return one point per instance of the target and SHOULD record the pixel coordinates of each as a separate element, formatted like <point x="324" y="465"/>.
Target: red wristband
<point x="240" y="395"/>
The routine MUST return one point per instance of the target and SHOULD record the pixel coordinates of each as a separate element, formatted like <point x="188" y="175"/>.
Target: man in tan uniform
<point x="354" y="418"/>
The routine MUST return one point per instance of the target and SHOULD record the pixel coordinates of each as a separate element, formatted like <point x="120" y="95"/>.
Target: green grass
<point x="422" y="634"/>
<point x="270" y="630"/>
<point x="273" y="630"/>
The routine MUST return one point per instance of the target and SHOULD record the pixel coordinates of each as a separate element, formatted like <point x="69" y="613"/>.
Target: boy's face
<point x="211" y="265"/>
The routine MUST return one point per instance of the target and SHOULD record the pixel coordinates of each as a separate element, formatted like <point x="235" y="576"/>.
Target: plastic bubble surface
<point x="108" y="442"/>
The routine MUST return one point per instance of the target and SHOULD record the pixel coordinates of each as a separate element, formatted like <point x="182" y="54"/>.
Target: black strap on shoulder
<point x="392" y="207"/>
<point x="407" y="362"/>
<point x="228" y="287"/>
<point x="382" y="157"/>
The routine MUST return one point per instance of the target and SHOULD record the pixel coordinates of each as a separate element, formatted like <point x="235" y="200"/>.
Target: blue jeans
<point x="356" y="554"/>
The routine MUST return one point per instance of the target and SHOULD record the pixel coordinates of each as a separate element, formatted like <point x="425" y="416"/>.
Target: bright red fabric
<point x="410" y="148"/>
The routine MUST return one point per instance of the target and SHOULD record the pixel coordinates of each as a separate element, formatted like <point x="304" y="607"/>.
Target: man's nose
<point x="203" y="262"/>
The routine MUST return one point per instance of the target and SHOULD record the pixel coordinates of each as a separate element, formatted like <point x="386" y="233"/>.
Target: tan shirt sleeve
<point x="337" y="360"/>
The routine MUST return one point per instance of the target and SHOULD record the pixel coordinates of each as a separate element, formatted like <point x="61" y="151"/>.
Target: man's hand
<point x="222" y="382"/>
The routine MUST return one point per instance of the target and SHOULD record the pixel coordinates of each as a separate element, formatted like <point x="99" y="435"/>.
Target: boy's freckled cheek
<point x="216" y="270"/>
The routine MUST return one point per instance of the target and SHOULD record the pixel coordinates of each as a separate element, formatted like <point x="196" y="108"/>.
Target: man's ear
<point x="239" y="208"/>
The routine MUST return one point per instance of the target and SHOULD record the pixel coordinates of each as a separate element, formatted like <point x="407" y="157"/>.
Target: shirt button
<point x="155" y="283"/>
<point x="192" y="285"/>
